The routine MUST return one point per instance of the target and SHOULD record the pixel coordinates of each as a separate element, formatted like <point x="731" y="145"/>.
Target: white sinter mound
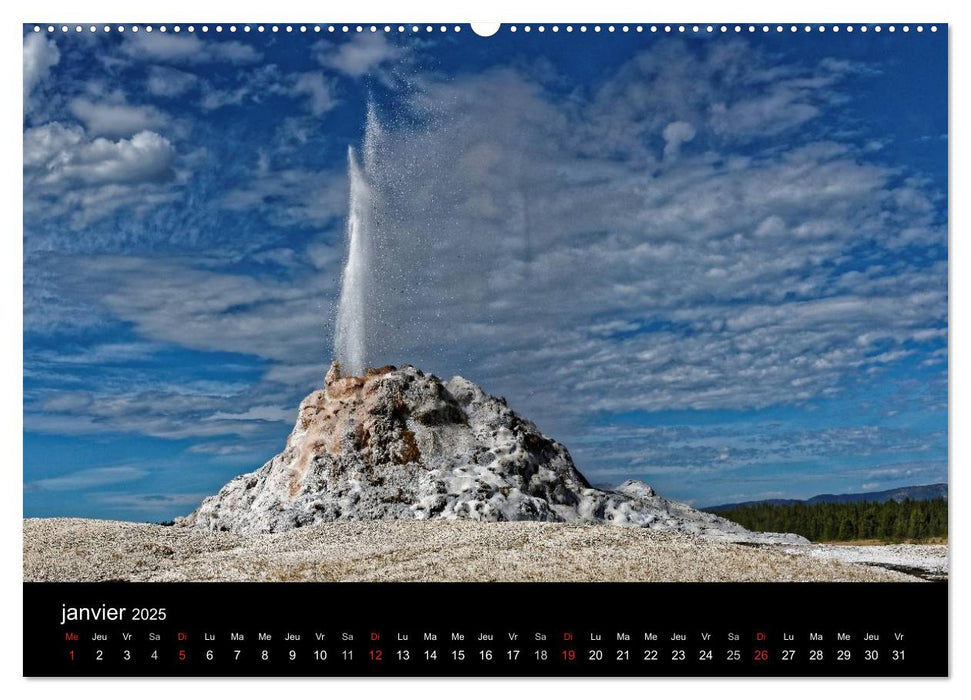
<point x="400" y="444"/>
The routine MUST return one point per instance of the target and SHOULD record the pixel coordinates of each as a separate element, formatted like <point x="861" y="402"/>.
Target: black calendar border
<point x="769" y="608"/>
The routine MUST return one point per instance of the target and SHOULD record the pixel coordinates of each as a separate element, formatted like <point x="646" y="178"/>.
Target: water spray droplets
<point x="351" y="346"/>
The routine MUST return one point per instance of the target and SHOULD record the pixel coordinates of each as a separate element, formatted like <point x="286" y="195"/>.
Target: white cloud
<point x="258" y="84"/>
<point x="675" y="134"/>
<point x="116" y="120"/>
<point x="213" y="99"/>
<point x="40" y="56"/>
<point x="317" y="89"/>
<point x="291" y="196"/>
<point x="173" y="412"/>
<point x="729" y="90"/>
<point x="229" y="449"/>
<point x="88" y="478"/>
<point x="163" y="503"/>
<point x="362" y="54"/>
<point x="774" y="113"/>
<point x="279" y="321"/>
<point x="164" y="81"/>
<point x="270" y="414"/>
<point x="101" y="354"/>
<point x="68" y="174"/>
<point x="65" y="172"/>
<point x="55" y="153"/>
<point x="187" y="49"/>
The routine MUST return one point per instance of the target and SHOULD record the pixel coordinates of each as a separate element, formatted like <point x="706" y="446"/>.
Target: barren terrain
<point x="71" y="549"/>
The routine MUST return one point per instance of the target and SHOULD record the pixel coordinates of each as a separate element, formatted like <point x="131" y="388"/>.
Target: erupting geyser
<point x="350" y="338"/>
<point x="399" y="444"/>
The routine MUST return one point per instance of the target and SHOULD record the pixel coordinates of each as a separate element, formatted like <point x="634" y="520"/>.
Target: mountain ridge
<point x="920" y="492"/>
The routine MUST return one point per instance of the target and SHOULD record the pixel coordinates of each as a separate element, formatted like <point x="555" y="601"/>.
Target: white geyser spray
<point x="351" y="336"/>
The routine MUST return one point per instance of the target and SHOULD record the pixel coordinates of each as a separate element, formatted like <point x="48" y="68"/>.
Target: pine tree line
<point x="828" y="522"/>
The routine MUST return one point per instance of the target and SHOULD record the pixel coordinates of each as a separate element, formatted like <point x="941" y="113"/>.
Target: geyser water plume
<point x="350" y="339"/>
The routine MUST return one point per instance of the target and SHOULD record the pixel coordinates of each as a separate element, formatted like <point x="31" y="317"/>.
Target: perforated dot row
<point x="288" y="28"/>
<point x="737" y="28"/>
<point x="415" y="28"/>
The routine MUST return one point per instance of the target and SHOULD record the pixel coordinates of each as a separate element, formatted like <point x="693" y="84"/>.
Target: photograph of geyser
<point x="557" y="306"/>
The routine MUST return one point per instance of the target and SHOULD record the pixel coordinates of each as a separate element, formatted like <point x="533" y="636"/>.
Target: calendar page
<point x="467" y="350"/>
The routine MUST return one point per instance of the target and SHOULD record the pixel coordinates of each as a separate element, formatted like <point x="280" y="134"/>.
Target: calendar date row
<point x="378" y="655"/>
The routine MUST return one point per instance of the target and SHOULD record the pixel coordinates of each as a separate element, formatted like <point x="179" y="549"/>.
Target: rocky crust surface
<point x="74" y="549"/>
<point x="399" y="444"/>
<point x="927" y="561"/>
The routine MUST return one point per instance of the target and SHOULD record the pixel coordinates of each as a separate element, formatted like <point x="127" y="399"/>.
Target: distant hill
<point x="926" y="492"/>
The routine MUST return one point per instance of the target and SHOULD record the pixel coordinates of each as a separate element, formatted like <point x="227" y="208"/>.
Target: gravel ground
<point x="71" y="549"/>
<point x="928" y="561"/>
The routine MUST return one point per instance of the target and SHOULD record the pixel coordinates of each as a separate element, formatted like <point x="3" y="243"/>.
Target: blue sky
<point x="715" y="263"/>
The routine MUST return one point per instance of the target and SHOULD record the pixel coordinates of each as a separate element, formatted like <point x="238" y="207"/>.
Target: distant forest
<point x="832" y="522"/>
